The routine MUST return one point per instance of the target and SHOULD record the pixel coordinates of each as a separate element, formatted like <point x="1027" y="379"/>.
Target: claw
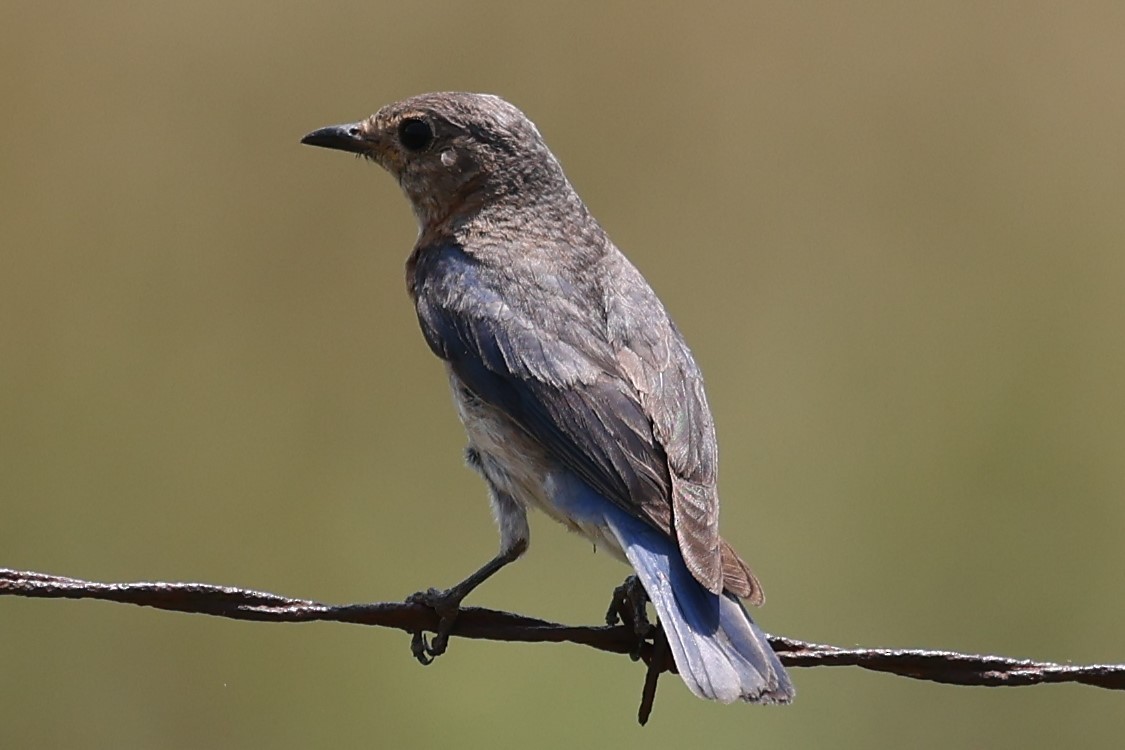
<point x="447" y="605"/>
<point x="628" y="606"/>
<point x="420" y="648"/>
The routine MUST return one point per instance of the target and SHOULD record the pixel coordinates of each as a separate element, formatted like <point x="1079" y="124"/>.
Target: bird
<point x="578" y="394"/>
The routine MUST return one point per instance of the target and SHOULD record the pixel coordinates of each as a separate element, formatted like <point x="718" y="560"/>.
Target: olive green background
<point x="892" y="232"/>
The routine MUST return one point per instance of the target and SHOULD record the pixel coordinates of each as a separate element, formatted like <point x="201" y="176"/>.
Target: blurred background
<point x="893" y="235"/>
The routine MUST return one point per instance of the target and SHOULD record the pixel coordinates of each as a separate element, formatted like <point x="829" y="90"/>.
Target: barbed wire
<point x="948" y="667"/>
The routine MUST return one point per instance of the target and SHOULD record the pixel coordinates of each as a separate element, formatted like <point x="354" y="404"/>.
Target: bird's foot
<point x="628" y="606"/>
<point x="447" y="605"/>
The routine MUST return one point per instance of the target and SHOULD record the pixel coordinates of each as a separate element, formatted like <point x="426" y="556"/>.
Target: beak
<point x="347" y="137"/>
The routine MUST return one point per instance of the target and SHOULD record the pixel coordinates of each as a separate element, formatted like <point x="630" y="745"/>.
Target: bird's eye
<point x="414" y="134"/>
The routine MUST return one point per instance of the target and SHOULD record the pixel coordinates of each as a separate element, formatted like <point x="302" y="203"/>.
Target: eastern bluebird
<point x="578" y="393"/>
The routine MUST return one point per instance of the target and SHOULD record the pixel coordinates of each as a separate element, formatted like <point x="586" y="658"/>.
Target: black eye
<point x="415" y="134"/>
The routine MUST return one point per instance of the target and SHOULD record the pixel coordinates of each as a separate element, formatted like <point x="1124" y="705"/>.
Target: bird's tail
<point x="720" y="652"/>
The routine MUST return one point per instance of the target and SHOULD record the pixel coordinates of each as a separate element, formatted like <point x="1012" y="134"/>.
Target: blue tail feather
<point x="720" y="652"/>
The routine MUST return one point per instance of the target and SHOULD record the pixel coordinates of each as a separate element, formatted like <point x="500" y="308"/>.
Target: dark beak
<point x="347" y="137"/>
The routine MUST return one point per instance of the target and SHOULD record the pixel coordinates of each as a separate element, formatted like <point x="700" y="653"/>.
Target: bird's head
<point x="454" y="154"/>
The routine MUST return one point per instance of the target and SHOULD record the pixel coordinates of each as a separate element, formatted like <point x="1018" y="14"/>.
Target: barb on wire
<point x="475" y="622"/>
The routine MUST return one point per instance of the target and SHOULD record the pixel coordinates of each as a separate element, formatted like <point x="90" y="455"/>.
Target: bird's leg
<point x="628" y="606"/>
<point x="514" y="534"/>
<point x="447" y="603"/>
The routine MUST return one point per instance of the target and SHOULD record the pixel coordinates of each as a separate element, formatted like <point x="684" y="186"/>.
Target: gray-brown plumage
<point x="573" y="384"/>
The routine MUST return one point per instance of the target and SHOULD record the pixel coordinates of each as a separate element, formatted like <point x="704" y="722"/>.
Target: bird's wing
<point x="579" y="397"/>
<point x="653" y="355"/>
<point x="654" y="358"/>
